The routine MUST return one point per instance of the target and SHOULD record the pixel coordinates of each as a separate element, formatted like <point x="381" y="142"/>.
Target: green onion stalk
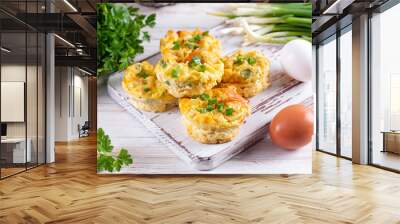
<point x="275" y="35"/>
<point x="269" y="22"/>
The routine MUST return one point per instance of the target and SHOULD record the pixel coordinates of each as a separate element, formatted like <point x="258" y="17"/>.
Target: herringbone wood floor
<point x="70" y="191"/>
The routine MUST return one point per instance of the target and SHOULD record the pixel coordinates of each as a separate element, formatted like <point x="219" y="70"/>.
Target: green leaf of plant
<point x="120" y="36"/>
<point x="106" y="161"/>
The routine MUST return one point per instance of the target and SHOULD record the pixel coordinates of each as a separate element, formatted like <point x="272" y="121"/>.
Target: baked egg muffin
<point x="145" y="91"/>
<point x="178" y="45"/>
<point x="214" y="116"/>
<point x="197" y="72"/>
<point x="247" y="71"/>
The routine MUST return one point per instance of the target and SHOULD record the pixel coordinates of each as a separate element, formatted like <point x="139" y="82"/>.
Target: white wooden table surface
<point x="150" y="155"/>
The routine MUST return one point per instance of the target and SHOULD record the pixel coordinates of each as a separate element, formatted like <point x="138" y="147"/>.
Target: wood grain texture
<point x="70" y="191"/>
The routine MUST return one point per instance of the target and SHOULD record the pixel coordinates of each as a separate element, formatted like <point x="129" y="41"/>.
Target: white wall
<point x="71" y="94"/>
<point x="33" y="127"/>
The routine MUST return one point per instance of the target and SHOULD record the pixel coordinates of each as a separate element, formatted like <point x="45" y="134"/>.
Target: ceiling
<point x="73" y="21"/>
<point x="332" y="15"/>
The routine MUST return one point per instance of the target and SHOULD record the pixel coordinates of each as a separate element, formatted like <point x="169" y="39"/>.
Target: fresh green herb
<point x="202" y="110"/>
<point x="251" y="60"/>
<point x="196" y="38"/>
<point x="191" y="46"/>
<point x="146" y="89"/>
<point x="229" y="111"/>
<point x="205" y="33"/>
<point x="204" y="96"/>
<point x="120" y="36"/>
<point x="246" y="73"/>
<point x="196" y="60"/>
<point x="142" y="74"/>
<point x="239" y="60"/>
<point x="210" y="108"/>
<point x="175" y="72"/>
<point x="220" y="107"/>
<point x="106" y="161"/>
<point x="163" y="64"/>
<point x="201" y="68"/>
<point x="176" y="45"/>
<point x="212" y="101"/>
<point x="196" y="63"/>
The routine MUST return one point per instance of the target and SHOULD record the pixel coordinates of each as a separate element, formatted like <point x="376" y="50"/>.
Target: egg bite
<point x="178" y="45"/>
<point x="248" y="71"/>
<point x="144" y="90"/>
<point x="214" y="116"/>
<point x="198" y="72"/>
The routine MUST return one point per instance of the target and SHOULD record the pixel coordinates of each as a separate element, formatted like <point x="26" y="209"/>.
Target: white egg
<point x="296" y="59"/>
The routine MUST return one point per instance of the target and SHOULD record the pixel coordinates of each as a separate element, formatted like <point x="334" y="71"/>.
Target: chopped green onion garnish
<point x="210" y="108"/>
<point x="205" y="33"/>
<point x="191" y="46"/>
<point x="202" y="110"/>
<point x="239" y="60"/>
<point x="246" y="73"/>
<point x="212" y="101"/>
<point x="163" y="64"/>
<point x="229" y="111"/>
<point x="204" y="96"/>
<point x="196" y="38"/>
<point x="142" y="74"/>
<point x="251" y="60"/>
<point x="176" y="45"/>
<point x="146" y="89"/>
<point x="220" y="106"/>
<point x="201" y="68"/>
<point x="196" y="60"/>
<point x="174" y="72"/>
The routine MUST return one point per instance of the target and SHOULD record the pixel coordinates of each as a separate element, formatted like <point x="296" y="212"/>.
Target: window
<point x="22" y="76"/>
<point x="346" y="92"/>
<point x="385" y="89"/>
<point x="327" y="96"/>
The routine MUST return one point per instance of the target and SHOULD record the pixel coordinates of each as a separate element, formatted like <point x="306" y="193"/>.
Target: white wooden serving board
<point x="169" y="129"/>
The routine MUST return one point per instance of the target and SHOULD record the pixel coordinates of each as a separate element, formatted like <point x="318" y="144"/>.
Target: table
<point x="18" y="151"/>
<point x="151" y="156"/>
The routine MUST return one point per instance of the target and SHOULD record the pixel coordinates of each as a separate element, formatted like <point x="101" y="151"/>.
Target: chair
<point x="84" y="130"/>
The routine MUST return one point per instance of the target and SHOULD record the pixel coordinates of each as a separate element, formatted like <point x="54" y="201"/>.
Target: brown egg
<point x="292" y="127"/>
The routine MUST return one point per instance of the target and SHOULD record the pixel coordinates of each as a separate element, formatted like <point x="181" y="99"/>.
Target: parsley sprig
<point x="106" y="161"/>
<point x="120" y="36"/>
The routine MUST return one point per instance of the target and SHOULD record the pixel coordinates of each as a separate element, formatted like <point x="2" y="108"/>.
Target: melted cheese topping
<point x="245" y="67"/>
<point x="140" y="80"/>
<point x="180" y="44"/>
<point x="217" y="108"/>
<point x="187" y="75"/>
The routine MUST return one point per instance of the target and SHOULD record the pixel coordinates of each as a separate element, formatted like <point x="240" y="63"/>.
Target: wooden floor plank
<point x="70" y="191"/>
